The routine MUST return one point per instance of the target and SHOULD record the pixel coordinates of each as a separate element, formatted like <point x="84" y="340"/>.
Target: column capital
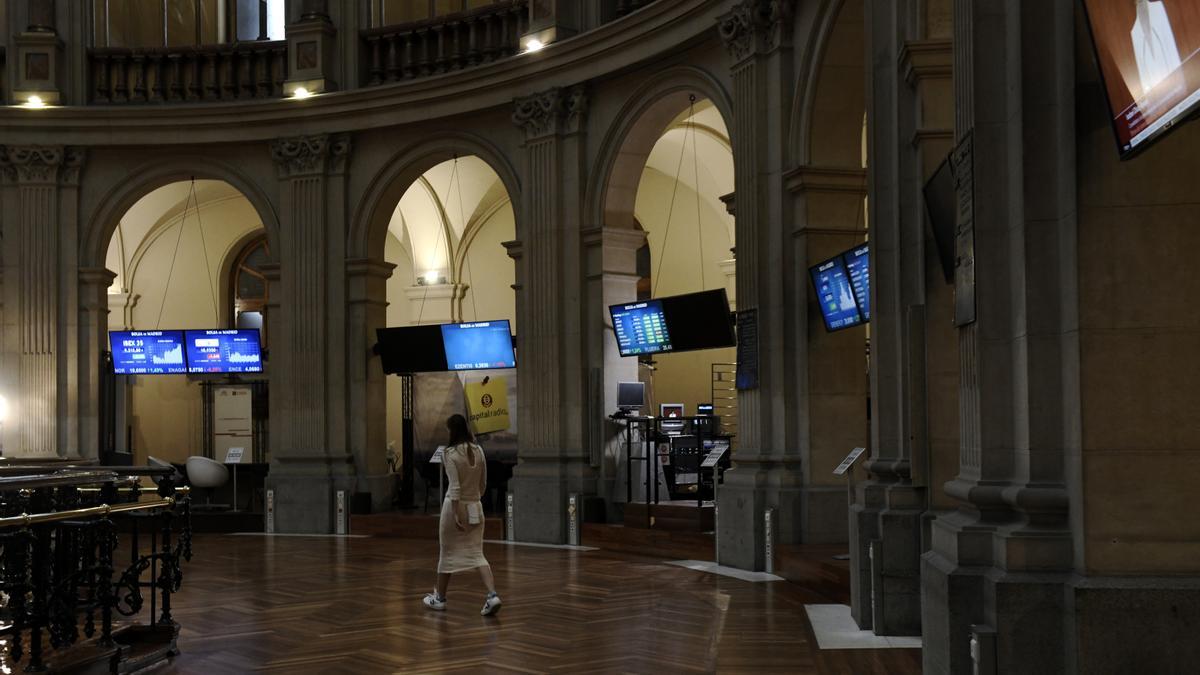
<point x="755" y="27"/>
<point x="369" y="267"/>
<point x="827" y="179"/>
<point x="553" y="111"/>
<point x="515" y="248"/>
<point x="41" y="164"/>
<point x="314" y="155"/>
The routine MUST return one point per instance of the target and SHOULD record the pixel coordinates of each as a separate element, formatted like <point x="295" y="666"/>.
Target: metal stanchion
<point x="508" y="517"/>
<point x="271" y="511"/>
<point x="769" y="541"/>
<point x="573" y="519"/>
<point x="339" y="510"/>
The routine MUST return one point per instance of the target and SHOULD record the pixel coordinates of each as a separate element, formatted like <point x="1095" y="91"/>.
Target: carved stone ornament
<point x="41" y="163"/>
<point x="310" y="155"/>
<point x="755" y="26"/>
<point x="552" y="111"/>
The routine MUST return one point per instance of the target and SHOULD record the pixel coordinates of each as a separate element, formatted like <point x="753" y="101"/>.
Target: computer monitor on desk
<point x="631" y="396"/>
<point x="670" y="410"/>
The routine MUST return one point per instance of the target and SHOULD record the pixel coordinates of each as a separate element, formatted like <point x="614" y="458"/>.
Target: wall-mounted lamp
<point x="301" y="93"/>
<point x="431" y="278"/>
<point x="533" y="45"/>
<point x="34" y="101"/>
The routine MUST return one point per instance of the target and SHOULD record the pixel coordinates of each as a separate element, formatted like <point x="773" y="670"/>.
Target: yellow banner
<point x="487" y="405"/>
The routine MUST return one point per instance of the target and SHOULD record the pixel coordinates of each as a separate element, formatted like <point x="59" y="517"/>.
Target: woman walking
<point x="461" y="526"/>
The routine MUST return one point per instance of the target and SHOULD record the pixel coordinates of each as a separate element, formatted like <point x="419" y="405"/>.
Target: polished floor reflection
<point x="325" y="605"/>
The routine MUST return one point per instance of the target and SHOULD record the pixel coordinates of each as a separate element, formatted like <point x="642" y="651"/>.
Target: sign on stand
<point x="234" y="455"/>
<point x="849" y="461"/>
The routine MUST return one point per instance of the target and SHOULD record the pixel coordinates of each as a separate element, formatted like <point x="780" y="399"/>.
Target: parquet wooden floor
<point x="322" y="605"/>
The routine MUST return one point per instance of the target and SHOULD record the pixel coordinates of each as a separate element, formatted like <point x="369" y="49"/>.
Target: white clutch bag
<point x="474" y="513"/>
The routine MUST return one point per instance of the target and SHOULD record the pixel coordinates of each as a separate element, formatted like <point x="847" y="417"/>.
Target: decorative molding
<point x="928" y="135"/>
<point x="310" y="155"/>
<point x="369" y="267"/>
<point x="554" y="111"/>
<point x="926" y="59"/>
<point x="41" y="163"/>
<point x="755" y="27"/>
<point x="826" y="179"/>
<point x="730" y="202"/>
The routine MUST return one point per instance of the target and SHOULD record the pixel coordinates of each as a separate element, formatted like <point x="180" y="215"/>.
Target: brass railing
<point x="232" y="72"/>
<point x="446" y="43"/>
<point x="61" y="583"/>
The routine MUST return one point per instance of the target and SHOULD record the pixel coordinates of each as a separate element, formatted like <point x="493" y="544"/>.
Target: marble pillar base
<point x="304" y="492"/>
<point x="740" y="504"/>
<point x="540" y="487"/>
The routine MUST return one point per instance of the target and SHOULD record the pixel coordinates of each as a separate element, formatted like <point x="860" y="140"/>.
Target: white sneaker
<point x="491" y="605"/>
<point x="432" y="601"/>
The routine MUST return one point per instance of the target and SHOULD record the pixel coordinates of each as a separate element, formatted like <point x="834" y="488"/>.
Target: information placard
<point x="438" y="455"/>
<point x="234" y="455"/>
<point x="747" y="349"/>
<point x="849" y="461"/>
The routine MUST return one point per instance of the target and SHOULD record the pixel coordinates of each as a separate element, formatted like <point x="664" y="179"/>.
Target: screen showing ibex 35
<point x="147" y="352"/>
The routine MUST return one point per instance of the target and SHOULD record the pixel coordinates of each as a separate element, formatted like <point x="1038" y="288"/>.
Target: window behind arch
<point x="393" y="12"/>
<point x="185" y="23"/>
<point x="250" y="289"/>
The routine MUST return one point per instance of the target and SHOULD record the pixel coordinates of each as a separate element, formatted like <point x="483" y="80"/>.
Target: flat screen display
<point x="411" y="349"/>
<point x="676" y="323"/>
<point x="1147" y="52"/>
<point x="478" y="346"/>
<point x="641" y="328"/>
<point x="631" y="394"/>
<point x="858" y="266"/>
<point x="147" y="352"/>
<point x="835" y="294"/>
<point x="223" y="351"/>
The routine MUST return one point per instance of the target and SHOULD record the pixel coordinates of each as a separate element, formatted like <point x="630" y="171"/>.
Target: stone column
<point x="93" y="341"/>
<point x="612" y="278"/>
<point x="40" y="256"/>
<point x="911" y="326"/>
<point x="551" y="311"/>
<point x="757" y="35"/>
<point x="999" y="564"/>
<point x="366" y="295"/>
<point x="308" y="351"/>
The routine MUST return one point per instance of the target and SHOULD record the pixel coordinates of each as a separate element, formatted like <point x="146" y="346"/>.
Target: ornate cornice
<point x="41" y="163"/>
<point x="310" y="155"/>
<point x="755" y="27"/>
<point x="554" y="111"/>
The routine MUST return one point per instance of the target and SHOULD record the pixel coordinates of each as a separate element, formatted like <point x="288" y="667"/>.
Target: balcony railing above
<point x="233" y="72"/>
<point x="446" y="43"/>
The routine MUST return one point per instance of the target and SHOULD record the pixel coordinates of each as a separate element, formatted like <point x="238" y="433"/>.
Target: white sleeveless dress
<point x="462" y="551"/>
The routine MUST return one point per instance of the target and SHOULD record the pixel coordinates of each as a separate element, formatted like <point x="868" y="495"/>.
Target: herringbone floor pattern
<point x="319" y="605"/>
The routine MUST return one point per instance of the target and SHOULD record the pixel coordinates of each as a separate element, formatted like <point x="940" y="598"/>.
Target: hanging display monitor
<point x="641" y="328"/>
<point x="835" y="294"/>
<point x="147" y="352"/>
<point x="858" y="266"/>
<point x="481" y="345"/>
<point x="1147" y="51"/>
<point x="677" y="323"/>
<point x="224" y="351"/>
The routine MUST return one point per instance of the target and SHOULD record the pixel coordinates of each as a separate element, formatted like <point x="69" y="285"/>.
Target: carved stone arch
<point x="626" y="146"/>
<point x="819" y="81"/>
<point x="155" y="174"/>
<point x="369" y="222"/>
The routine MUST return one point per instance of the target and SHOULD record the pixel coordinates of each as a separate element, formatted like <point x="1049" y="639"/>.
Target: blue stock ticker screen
<point x="641" y="328"/>
<point x="149" y="352"/>
<point x="858" y="266"/>
<point x="481" y="345"/>
<point x="835" y="295"/>
<point x="224" y="351"/>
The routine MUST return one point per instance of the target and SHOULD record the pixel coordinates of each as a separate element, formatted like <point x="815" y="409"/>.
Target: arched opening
<point x="668" y="231"/>
<point x="184" y="254"/>
<point x="445" y="237"/>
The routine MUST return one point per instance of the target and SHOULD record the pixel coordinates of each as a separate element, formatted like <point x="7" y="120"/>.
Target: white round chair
<point x="164" y="464"/>
<point x="203" y="472"/>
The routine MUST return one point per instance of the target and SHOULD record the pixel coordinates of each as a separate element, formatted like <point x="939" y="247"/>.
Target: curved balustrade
<point x="446" y="43"/>
<point x="66" y="578"/>
<point x="234" y="72"/>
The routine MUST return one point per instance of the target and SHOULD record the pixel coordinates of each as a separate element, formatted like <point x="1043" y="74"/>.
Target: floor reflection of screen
<point x="478" y="346"/>
<point x="835" y="295"/>
<point x="224" y="351"/>
<point x="641" y="328"/>
<point x="1149" y="56"/>
<point x="858" y="265"/>
<point x="156" y="352"/>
